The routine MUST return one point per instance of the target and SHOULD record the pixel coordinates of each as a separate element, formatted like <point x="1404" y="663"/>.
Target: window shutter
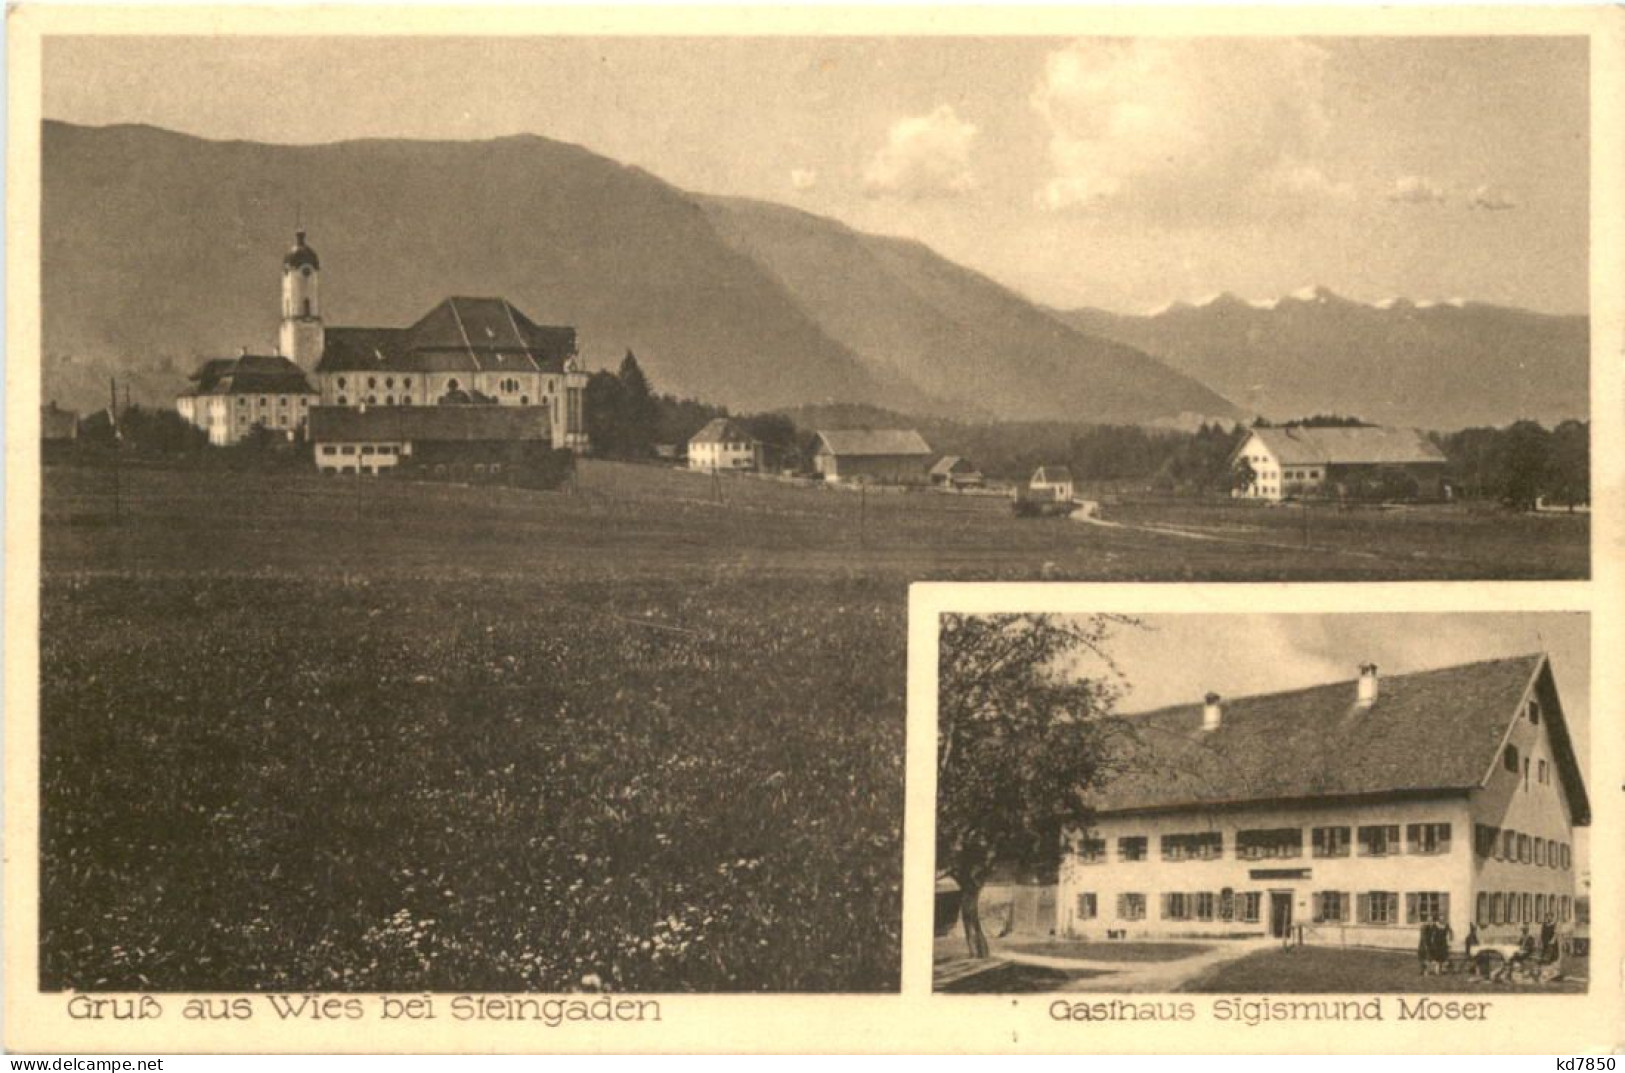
<point x="1410" y="908"/>
<point x="1362" y="907"/>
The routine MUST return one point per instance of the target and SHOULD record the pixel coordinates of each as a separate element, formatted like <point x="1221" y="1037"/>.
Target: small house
<point x="724" y="444"/>
<point x="1052" y="482"/>
<point x="952" y="471"/>
<point x="460" y="442"/>
<point x="57" y="425"/>
<point x="875" y="456"/>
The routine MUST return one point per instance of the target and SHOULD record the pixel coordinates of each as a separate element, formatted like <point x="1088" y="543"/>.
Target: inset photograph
<point x="1273" y="803"/>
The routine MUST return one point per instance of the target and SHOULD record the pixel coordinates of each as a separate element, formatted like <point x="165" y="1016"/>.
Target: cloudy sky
<point x="1176" y="659"/>
<point x="1114" y="172"/>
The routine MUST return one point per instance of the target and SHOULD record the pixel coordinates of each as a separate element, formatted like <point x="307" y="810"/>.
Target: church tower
<point x="301" y="338"/>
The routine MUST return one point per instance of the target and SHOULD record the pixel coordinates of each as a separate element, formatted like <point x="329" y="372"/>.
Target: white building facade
<point x="723" y="444"/>
<point x="1290" y="463"/>
<point x="1358" y="856"/>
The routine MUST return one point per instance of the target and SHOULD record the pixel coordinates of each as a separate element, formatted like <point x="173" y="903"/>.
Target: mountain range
<point x="1440" y="365"/>
<point x="161" y="250"/>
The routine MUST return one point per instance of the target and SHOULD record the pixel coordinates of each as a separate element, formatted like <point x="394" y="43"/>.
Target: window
<point x="366" y="449"/>
<point x="1523" y="849"/>
<point x="389" y="400"/>
<point x="282" y="400"/>
<point x="242" y="400"/>
<point x="1379" y="841"/>
<point x="307" y="300"/>
<point x="1204" y="905"/>
<point x="1378" y="907"/>
<point x="1540" y="852"/>
<point x="1540" y="907"/>
<point x="1565" y="848"/>
<point x="1331" y="841"/>
<point x="1252" y="902"/>
<point x="1087" y="906"/>
<point x="452" y="385"/>
<point x="1498" y="908"/>
<point x="1534" y="710"/>
<point x="1331" y="907"/>
<point x="1268" y="844"/>
<point x="329" y="449"/>
<point x="389" y="381"/>
<point x="1509" y="845"/>
<point x="1131" y="848"/>
<point x="1510" y="759"/>
<point x="1176" y="907"/>
<point x="1526" y="773"/>
<point x="1092" y="851"/>
<point x="341" y="383"/>
<point x="1427" y="907"/>
<point x="1483" y="914"/>
<point x="347" y="449"/>
<point x="406" y="381"/>
<point x="1205" y="846"/>
<point x="1526" y="903"/>
<point x="524" y="400"/>
<point x="1485" y="839"/>
<point x="1131" y="907"/>
<point x="372" y="381"/>
<point x="1427" y="837"/>
<point x="372" y="400"/>
<point x="1543" y="774"/>
<point x="304" y="401"/>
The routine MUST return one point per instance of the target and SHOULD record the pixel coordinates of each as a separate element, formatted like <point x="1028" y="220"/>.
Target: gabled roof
<point x="951" y="464"/>
<point x="722" y="430"/>
<point x="1346" y="446"/>
<point x="56" y="423"/>
<point x="416" y="424"/>
<point x="1431" y="731"/>
<point x="251" y="374"/>
<point x="458" y="335"/>
<point x="1052" y="475"/>
<point x="858" y="442"/>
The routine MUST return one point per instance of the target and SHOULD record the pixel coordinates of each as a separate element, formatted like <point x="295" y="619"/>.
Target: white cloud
<point x="803" y="178"/>
<point x="1491" y="199"/>
<point x="1185" y="128"/>
<point x="1417" y="190"/>
<point x="924" y="156"/>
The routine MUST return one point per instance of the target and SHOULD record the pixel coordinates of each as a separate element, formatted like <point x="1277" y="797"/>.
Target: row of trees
<point x="1522" y="463"/>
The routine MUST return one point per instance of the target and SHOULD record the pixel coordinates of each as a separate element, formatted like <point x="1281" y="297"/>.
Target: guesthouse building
<point x="1345" y="814"/>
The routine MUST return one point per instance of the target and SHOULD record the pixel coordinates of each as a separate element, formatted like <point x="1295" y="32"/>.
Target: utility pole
<point x="863" y="514"/>
<point x="118" y="477"/>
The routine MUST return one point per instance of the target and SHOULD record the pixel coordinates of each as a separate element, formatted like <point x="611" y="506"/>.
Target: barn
<point x="457" y="442"/>
<point x="873" y="456"/>
<point x="1359" y="462"/>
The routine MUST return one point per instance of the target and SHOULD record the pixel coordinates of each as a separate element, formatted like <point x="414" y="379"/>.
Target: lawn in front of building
<point x="1016" y="978"/>
<point x="1329" y="970"/>
<point x="1096" y="951"/>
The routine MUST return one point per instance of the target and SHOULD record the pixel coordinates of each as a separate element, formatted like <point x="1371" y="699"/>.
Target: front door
<point x="1280" y="913"/>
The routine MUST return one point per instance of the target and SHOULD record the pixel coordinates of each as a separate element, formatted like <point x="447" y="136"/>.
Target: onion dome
<point x="301" y="256"/>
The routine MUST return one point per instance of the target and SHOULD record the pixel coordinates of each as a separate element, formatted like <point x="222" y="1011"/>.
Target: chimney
<point x="1212" y="712"/>
<point x="1366" y="691"/>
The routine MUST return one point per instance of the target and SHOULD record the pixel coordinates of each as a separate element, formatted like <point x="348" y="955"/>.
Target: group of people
<point x="1493" y="963"/>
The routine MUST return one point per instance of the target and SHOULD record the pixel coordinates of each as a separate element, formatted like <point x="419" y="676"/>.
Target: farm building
<point x="1351" y="463"/>
<point x="456" y="441"/>
<point x="464" y="350"/>
<point x="1052" y="482"/>
<point x="230" y="397"/>
<point x="723" y="444"/>
<point x="1348" y="813"/>
<point x="876" y="456"/>
<point x="951" y="471"/>
<point x="57" y="425"/>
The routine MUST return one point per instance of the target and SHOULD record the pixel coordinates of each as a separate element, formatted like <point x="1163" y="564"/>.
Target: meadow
<point x="644" y="734"/>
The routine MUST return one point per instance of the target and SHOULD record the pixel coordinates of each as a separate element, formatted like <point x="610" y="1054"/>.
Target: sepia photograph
<point x="1255" y="804"/>
<point x="482" y="466"/>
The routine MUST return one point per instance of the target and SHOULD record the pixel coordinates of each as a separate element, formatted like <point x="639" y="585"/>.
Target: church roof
<point x="301" y="256"/>
<point x="458" y="335"/>
<point x="1427" y="732"/>
<point x="250" y="374"/>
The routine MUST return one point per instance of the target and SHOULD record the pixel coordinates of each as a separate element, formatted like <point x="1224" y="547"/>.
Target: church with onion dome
<point x="466" y="351"/>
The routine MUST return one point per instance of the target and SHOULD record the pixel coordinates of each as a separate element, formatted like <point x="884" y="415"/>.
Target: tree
<point x="1243" y="478"/>
<point x="1020" y="737"/>
<point x="640" y="411"/>
<point x="1519" y="464"/>
<point x="603" y="412"/>
<point x="1568" y="464"/>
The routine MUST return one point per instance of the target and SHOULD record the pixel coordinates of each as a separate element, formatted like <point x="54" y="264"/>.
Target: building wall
<point x="360" y="457"/>
<point x="559" y="393"/>
<point x="1536" y="809"/>
<point x="714" y="456"/>
<point x="1297" y="879"/>
<point x="228" y="418"/>
<point x="879" y="469"/>
<point x="1062" y="491"/>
